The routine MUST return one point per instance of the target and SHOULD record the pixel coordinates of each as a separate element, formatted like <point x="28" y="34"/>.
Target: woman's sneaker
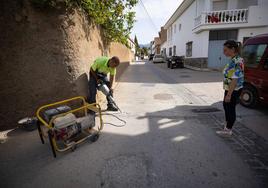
<point x="225" y="132"/>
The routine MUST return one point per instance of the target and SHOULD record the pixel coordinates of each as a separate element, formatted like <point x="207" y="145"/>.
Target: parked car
<point x="151" y="56"/>
<point x="158" y="59"/>
<point x="175" y="61"/>
<point x="255" y="54"/>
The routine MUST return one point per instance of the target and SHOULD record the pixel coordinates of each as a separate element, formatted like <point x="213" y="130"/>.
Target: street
<point x="169" y="140"/>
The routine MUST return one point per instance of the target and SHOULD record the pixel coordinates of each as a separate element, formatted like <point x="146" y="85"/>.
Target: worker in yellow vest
<point x="99" y="71"/>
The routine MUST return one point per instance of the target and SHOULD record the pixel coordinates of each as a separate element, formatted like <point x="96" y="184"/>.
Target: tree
<point x="145" y="51"/>
<point x="137" y="46"/>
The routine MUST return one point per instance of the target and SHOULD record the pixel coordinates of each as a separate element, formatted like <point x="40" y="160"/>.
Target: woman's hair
<point x="231" y="44"/>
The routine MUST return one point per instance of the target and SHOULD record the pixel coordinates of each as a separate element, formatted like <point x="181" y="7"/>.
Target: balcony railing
<point x="222" y="17"/>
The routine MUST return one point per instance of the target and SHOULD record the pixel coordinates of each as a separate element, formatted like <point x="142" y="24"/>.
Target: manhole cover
<point x="185" y="76"/>
<point x="205" y="110"/>
<point x="125" y="171"/>
<point x="163" y="96"/>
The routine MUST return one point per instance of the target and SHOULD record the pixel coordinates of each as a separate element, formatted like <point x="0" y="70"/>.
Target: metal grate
<point x="205" y="110"/>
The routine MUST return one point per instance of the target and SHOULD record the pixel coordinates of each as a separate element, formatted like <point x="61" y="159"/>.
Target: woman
<point x="232" y="84"/>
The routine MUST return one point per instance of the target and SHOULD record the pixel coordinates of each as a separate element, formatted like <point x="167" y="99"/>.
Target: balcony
<point x="216" y="18"/>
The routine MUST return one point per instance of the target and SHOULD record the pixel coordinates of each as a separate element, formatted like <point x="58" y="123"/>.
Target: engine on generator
<point x="68" y="126"/>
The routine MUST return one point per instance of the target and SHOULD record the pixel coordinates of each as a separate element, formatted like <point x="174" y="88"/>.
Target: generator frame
<point x="51" y="130"/>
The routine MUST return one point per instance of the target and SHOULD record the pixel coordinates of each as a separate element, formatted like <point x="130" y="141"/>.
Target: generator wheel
<point x="73" y="148"/>
<point x="94" y="137"/>
<point x="50" y="137"/>
<point x="40" y="132"/>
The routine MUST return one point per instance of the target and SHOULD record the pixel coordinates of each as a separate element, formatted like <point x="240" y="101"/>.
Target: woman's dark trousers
<point x="230" y="108"/>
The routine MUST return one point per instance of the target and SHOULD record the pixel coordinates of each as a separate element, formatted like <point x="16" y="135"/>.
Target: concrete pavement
<point x="169" y="141"/>
<point x="207" y="86"/>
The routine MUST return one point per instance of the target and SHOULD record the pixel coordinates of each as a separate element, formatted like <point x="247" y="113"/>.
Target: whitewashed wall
<point x="164" y="45"/>
<point x="185" y="34"/>
<point x="257" y="24"/>
<point x="250" y="32"/>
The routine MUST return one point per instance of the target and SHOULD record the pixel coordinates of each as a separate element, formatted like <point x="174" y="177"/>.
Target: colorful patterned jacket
<point x="234" y="69"/>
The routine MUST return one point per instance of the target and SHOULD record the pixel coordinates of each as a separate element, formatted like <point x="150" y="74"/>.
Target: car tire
<point x="249" y="97"/>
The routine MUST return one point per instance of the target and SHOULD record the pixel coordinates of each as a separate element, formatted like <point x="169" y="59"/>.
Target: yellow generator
<point x="68" y="123"/>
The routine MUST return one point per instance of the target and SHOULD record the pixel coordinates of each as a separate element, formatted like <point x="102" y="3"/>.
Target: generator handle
<point x="93" y="106"/>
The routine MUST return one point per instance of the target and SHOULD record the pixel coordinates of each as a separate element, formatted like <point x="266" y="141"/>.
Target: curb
<point x="199" y="69"/>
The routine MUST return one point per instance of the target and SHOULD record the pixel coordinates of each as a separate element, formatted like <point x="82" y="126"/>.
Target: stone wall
<point x="197" y="62"/>
<point x="125" y="55"/>
<point x="45" y="56"/>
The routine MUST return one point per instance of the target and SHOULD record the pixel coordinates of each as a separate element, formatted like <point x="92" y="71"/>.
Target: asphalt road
<point x="169" y="141"/>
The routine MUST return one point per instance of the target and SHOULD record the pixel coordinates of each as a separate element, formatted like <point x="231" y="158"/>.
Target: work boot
<point x="111" y="108"/>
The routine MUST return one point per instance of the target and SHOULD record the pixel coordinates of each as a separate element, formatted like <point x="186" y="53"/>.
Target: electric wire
<point x="115" y="125"/>
<point x="151" y="20"/>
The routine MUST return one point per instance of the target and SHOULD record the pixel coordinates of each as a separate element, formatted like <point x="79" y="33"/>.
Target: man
<point x="101" y="67"/>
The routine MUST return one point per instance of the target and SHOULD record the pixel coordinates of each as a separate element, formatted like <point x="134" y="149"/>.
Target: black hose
<point x="115" y="125"/>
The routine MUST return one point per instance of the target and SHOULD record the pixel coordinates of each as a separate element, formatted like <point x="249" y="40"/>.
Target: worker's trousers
<point x="92" y="86"/>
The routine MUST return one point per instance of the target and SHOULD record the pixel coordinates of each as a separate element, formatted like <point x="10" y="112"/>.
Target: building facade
<point x="157" y="45"/>
<point x="163" y="41"/>
<point x="132" y="47"/>
<point x="198" y="28"/>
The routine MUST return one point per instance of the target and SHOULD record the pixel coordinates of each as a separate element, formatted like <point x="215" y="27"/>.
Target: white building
<point x="132" y="47"/>
<point x="198" y="28"/>
<point x="152" y="47"/>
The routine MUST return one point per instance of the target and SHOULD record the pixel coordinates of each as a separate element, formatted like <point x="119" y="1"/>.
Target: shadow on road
<point x="177" y="148"/>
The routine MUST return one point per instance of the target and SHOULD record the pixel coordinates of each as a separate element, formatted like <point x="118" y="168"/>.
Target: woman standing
<point x="232" y="84"/>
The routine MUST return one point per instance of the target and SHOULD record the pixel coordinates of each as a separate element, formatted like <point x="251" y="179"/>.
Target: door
<point x="219" y="5"/>
<point x="216" y="58"/>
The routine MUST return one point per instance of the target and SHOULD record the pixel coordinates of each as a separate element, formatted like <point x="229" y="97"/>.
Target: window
<point x="170" y="52"/>
<point x="165" y="52"/>
<point x="189" y="46"/>
<point x="241" y="4"/>
<point x="223" y="35"/>
<point x="219" y="5"/>
<point x="252" y="54"/>
<point x="175" y="27"/>
<point x="174" y="50"/>
<point x="179" y="27"/>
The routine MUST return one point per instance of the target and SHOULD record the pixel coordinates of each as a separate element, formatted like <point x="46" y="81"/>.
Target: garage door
<point x="216" y="58"/>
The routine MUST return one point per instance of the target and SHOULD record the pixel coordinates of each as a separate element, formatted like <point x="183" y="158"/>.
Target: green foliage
<point x="145" y="51"/>
<point x="137" y="46"/>
<point x="114" y="16"/>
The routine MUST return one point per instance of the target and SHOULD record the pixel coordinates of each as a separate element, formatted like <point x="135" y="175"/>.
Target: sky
<point x="159" y="10"/>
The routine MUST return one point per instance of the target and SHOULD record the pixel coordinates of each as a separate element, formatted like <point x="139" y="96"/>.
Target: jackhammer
<point x="107" y="92"/>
